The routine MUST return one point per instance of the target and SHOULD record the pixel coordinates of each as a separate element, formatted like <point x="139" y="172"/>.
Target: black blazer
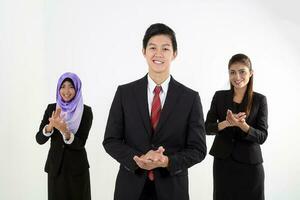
<point x="66" y="158"/>
<point x="180" y="131"/>
<point x="232" y="140"/>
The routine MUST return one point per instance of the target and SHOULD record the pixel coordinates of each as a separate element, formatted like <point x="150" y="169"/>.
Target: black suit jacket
<point x="66" y="158"/>
<point x="180" y="131"/>
<point x="232" y="140"/>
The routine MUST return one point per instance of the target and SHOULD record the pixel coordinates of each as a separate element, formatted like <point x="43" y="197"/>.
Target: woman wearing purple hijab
<point x="67" y="122"/>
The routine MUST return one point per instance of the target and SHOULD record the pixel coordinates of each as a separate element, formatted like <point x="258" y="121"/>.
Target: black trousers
<point x="149" y="192"/>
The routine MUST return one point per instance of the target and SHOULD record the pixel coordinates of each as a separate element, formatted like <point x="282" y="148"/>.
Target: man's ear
<point x="144" y="51"/>
<point x="174" y="55"/>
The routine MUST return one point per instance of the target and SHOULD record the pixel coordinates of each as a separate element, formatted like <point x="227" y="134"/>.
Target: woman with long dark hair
<point x="238" y="119"/>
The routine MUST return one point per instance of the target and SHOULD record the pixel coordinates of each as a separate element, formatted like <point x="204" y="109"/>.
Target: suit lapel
<point x="229" y="100"/>
<point x="140" y="92"/>
<point x="170" y="102"/>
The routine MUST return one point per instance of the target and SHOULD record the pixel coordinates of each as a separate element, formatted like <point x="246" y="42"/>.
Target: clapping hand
<point x="57" y="121"/>
<point x="236" y="119"/>
<point x="152" y="159"/>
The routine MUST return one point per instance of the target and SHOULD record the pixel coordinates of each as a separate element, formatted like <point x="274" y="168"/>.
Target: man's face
<point x="159" y="54"/>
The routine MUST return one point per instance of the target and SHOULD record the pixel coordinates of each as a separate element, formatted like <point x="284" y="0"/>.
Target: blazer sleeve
<point x="195" y="148"/>
<point x="211" y="123"/>
<point x="40" y="137"/>
<point x="83" y="131"/>
<point x="113" y="141"/>
<point x="259" y="131"/>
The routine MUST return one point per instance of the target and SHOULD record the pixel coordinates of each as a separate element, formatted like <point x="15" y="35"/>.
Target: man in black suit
<point x="155" y="128"/>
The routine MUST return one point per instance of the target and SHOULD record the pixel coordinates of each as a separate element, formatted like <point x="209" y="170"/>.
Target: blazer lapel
<point x="140" y="92"/>
<point x="170" y="102"/>
<point x="229" y="100"/>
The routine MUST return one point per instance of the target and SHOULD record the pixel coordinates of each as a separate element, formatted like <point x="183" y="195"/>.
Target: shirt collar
<point x="164" y="85"/>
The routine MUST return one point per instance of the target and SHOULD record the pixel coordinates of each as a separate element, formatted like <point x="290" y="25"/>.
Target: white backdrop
<point x="101" y="41"/>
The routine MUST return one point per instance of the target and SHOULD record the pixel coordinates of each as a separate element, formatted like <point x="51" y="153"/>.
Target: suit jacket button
<point x="152" y="145"/>
<point x="63" y="146"/>
<point x="232" y="140"/>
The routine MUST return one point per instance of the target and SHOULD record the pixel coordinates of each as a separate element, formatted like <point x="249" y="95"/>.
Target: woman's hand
<point x="50" y="126"/>
<point x="238" y="120"/>
<point x="58" y="122"/>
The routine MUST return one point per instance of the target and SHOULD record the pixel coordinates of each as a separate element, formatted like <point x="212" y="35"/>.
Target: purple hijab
<point x="73" y="109"/>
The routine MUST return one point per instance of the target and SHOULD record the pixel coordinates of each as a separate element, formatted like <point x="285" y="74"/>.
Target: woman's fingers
<point x="241" y="115"/>
<point x="229" y="115"/>
<point x="57" y="112"/>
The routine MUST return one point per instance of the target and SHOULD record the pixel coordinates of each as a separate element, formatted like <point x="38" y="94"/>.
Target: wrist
<point x="245" y="127"/>
<point x="49" y="128"/>
<point x="67" y="136"/>
<point x="227" y="124"/>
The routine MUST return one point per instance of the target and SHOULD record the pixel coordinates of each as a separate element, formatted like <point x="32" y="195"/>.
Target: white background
<point x="101" y="41"/>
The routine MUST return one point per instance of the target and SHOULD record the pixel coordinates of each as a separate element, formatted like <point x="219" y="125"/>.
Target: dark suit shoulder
<point x="222" y="93"/>
<point x="88" y="108"/>
<point x="184" y="88"/>
<point x="258" y="95"/>
<point x="51" y="106"/>
<point x="259" y="98"/>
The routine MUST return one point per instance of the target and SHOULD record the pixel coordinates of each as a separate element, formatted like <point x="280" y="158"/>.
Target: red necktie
<point x="156" y="108"/>
<point x="155" y="114"/>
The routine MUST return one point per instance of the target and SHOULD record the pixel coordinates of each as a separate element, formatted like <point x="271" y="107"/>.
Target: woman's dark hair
<point x="160" y="29"/>
<point x="67" y="79"/>
<point x="243" y="59"/>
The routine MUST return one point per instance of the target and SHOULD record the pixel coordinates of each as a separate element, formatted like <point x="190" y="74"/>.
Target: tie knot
<point x="157" y="90"/>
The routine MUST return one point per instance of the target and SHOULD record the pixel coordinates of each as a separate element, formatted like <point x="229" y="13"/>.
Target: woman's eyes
<point x="240" y="72"/>
<point x="63" y="87"/>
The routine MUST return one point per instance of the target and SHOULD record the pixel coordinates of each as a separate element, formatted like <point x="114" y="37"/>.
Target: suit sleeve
<point x="114" y="136"/>
<point x="259" y="131"/>
<point x="83" y="131"/>
<point x="40" y="137"/>
<point x="195" y="148"/>
<point x="211" y="123"/>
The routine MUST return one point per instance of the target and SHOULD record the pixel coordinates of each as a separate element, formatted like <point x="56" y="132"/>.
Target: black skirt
<point x="235" y="181"/>
<point x="69" y="187"/>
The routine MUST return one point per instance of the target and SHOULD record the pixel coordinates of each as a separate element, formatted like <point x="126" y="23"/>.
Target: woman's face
<point x="239" y="75"/>
<point x="159" y="54"/>
<point x="67" y="91"/>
